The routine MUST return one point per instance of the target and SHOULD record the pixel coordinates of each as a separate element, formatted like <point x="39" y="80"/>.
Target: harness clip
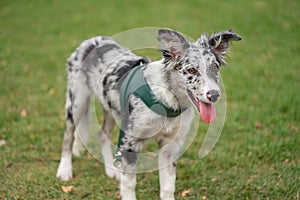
<point x="118" y="159"/>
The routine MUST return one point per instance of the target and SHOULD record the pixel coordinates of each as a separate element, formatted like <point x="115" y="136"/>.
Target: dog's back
<point x="100" y="63"/>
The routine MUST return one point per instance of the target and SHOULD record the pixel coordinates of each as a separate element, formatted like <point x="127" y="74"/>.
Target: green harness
<point x="135" y="83"/>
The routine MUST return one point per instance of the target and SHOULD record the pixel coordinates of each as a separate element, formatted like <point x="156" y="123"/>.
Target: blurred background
<point x="258" y="153"/>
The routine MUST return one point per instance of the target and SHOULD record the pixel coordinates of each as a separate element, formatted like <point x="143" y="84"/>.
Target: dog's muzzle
<point x="213" y="95"/>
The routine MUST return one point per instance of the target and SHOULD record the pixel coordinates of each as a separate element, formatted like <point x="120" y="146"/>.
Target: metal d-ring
<point x="118" y="159"/>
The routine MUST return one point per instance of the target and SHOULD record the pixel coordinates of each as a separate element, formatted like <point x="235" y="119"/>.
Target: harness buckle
<point x="118" y="159"/>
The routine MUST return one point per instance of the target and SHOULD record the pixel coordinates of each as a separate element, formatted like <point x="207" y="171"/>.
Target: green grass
<point x="250" y="161"/>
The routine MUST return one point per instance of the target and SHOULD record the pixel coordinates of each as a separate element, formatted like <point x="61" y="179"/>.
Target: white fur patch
<point x="64" y="171"/>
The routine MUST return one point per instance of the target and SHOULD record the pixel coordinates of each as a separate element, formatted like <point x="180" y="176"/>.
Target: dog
<point x="187" y="76"/>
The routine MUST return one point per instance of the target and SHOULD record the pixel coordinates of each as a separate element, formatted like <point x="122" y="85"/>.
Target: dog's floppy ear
<point x="219" y="43"/>
<point x="173" y="45"/>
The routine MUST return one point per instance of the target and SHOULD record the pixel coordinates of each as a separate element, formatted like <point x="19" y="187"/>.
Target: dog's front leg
<point x="128" y="175"/>
<point x="127" y="187"/>
<point x="167" y="172"/>
<point x="170" y="149"/>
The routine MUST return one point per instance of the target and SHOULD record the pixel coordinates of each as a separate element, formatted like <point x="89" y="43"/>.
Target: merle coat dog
<point x="186" y="76"/>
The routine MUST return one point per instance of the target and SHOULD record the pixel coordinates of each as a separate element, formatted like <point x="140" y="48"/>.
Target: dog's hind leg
<point x="105" y="139"/>
<point x="77" y="105"/>
<point x="81" y="134"/>
<point x="64" y="171"/>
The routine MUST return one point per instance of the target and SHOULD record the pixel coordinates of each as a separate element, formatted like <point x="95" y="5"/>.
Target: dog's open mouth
<point x="207" y="111"/>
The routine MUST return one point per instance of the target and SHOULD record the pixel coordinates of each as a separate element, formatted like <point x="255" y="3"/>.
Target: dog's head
<point x="197" y="64"/>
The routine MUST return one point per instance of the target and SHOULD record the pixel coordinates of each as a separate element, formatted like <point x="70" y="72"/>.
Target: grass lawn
<point x="258" y="153"/>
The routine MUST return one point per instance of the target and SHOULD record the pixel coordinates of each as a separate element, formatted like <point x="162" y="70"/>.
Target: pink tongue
<point x="207" y="112"/>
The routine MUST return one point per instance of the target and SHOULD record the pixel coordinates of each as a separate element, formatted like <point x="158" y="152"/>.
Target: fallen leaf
<point x="118" y="195"/>
<point x="89" y="156"/>
<point x="286" y="161"/>
<point x="51" y="91"/>
<point x="259" y="125"/>
<point x="24" y="113"/>
<point x="66" y="189"/>
<point x="186" y="192"/>
<point x="293" y="128"/>
<point x="4" y="63"/>
<point x="7" y="165"/>
<point x="2" y="142"/>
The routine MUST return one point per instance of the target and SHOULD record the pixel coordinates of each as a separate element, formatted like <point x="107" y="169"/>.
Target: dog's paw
<point x="171" y="198"/>
<point x="64" y="171"/>
<point x="63" y="174"/>
<point x="167" y="196"/>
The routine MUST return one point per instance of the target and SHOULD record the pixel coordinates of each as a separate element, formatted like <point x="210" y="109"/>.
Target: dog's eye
<point x="192" y="71"/>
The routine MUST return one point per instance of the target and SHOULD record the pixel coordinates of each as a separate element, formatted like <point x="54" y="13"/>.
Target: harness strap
<point x="135" y="83"/>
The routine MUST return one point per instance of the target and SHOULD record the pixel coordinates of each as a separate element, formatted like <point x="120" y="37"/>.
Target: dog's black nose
<point x="213" y="95"/>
